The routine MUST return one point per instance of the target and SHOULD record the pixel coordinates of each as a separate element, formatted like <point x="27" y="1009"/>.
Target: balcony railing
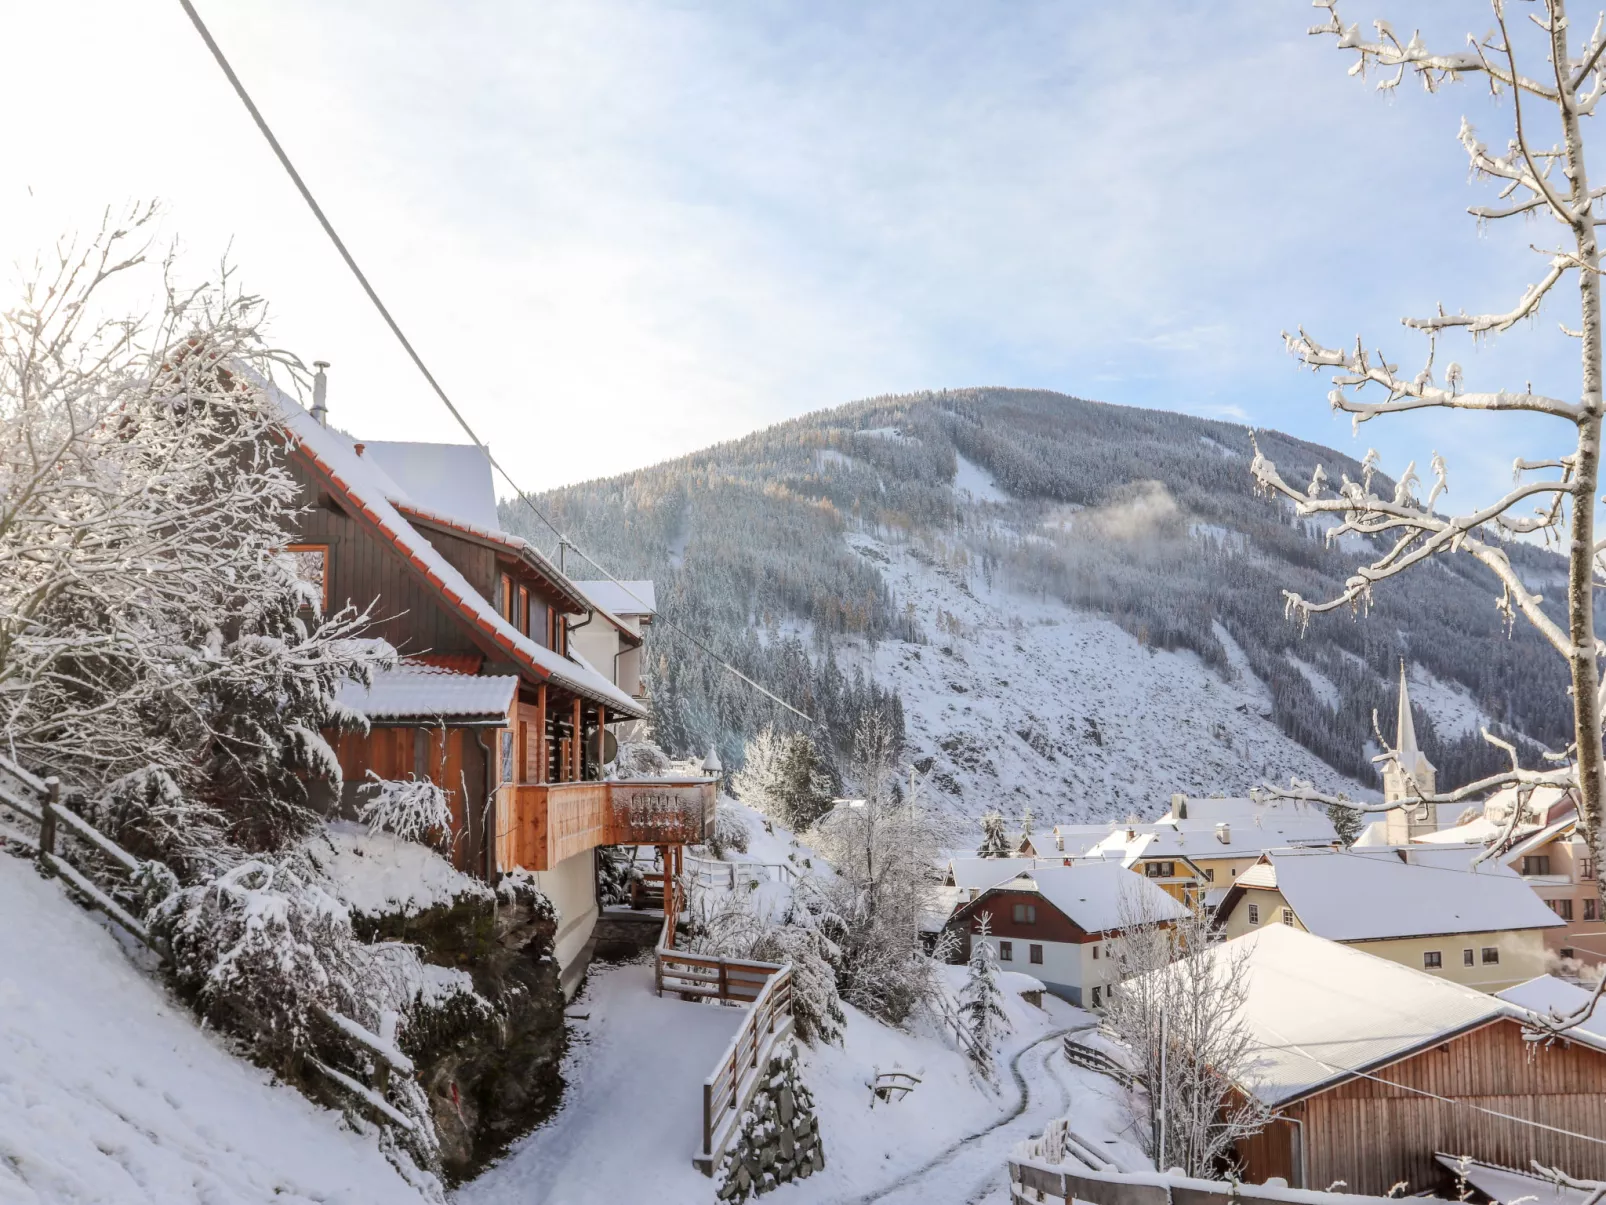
<point x="541" y="824"/>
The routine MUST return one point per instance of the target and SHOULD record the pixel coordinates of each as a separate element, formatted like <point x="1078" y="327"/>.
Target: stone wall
<point x="778" y="1138"/>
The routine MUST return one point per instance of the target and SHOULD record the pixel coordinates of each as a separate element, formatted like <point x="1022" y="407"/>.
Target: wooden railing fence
<point x="1034" y="1181"/>
<point x="742" y="1068"/>
<point x="706" y="872"/>
<point x="1096" y="1060"/>
<point x="38" y="800"/>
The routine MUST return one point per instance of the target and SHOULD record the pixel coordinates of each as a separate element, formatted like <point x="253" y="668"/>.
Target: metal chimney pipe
<point x="320" y="391"/>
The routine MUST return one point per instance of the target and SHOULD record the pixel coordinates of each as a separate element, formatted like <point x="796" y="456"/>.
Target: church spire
<point x="1405" y="726"/>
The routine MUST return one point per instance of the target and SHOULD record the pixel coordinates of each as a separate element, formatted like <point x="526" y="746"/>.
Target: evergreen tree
<point x="994" y="841"/>
<point x="981" y="1000"/>
<point x="1347" y="822"/>
<point x="1026" y="821"/>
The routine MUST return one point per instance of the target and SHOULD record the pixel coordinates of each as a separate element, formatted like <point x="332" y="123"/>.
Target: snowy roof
<point x="1238" y="808"/>
<point x="1210" y="838"/>
<point x="1099" y="896"/>
<point x="978" y="874"/>
<point x="1509" y="1186"/>
<point x="622" y="598"/>
<point x="365" y="488"/>
<point x="1319" y="1011"/>
<point x="412" y="691"/>
<point x="1552" y="997"/>
<point x="449" y="479"/>
<point x="1480" y="830"/>
<point x="1350" y="896"/>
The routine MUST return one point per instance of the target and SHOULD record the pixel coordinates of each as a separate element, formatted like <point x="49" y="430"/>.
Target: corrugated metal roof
<point x="429" y="692"/>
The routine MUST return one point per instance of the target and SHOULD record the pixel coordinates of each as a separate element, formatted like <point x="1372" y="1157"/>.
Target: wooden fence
<point x="1033" y="1182"/>
<point x="1096" y="1060"/>
<point x="706" y="872"/>
<point x="741" y="1069"/>
<point x="38" y="800"/>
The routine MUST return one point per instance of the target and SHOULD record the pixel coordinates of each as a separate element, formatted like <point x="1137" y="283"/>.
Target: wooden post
<point x="576" y="748"/>
<point x="542" y="764"/>
<point x="47" y="823"/>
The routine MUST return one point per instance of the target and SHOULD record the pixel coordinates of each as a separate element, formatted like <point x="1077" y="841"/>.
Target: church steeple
<point x="1408" y="775"/>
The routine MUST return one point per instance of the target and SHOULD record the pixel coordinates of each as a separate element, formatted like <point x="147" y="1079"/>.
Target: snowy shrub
<point x="414" y="809"/>
<point x="150" y="815"/>
<point x="639" y="759"/>
<point x="617" y="874"/>
<point x="730" y="831"/>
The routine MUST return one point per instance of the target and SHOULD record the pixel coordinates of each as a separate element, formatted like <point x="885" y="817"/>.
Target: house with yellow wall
<point x="1478" y="925"/>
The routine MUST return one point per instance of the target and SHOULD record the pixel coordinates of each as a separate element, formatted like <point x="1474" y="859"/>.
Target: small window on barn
<point x="1006" y="951"/>
<point x="1037" y="955"/>
<point x="1025" y="914"/>
<point x="1432" y="960"/>
<point x="309" y="566"/>
<point x="1254" y="914"/>
<point x="1491" y="955"/>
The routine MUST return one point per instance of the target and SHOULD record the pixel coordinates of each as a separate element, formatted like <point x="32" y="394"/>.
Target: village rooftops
<point x="972" y="874"/>
<point x="630" y="600"/>
<point x="1347" y="896"/>
<point x="1207" y="838"/>
<point x="1318" y="1012"/>
<point x="365" y="490"/>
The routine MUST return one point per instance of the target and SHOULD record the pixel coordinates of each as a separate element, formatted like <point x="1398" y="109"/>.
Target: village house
<point x="1056" y="923"/>
<point x="1547" y="849"/>
<point x="614" y="647"/>
<point x="1480" y="926"/>
<point x="1372" y="1069"/>
<point x="490" y="700"/>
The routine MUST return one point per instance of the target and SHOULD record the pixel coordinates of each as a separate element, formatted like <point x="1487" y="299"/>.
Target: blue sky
<point x="622" y="230"/>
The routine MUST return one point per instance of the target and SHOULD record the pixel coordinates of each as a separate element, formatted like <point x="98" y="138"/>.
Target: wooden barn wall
<point x="363" y="570"/>
<point x="1373" y="1135"/>
<point x="1051" y="923"/>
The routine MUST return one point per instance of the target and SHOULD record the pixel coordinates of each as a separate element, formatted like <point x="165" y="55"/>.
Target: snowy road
<point x="972" y="1170"/>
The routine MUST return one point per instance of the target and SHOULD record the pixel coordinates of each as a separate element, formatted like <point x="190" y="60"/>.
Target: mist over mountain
<point x="1067" y="605"/>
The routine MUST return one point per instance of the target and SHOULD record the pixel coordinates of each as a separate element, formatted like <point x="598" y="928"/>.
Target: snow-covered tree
<point x="414" y="809"/>
<point x="883" y="847"/>
<point x="784" y="776"/>
<point x="981" y="1001"/>
<point x="1175" y="1005"/>
<point x="149" y="625"/>
<point x="1554" y="73"/>
<point x="1347" y="822"/>
<point x="994" y="840"/>
<point x="638" y="759"/>
<point x="1026" y="822"/>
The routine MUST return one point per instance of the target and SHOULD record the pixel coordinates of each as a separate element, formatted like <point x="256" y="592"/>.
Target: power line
<point x="395" y="328"/>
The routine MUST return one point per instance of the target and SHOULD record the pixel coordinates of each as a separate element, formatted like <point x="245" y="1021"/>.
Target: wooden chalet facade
<point x="487" y="702"/>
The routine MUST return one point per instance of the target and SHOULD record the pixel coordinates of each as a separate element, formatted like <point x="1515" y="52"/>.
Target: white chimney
<point x="1224" y="833"/>
<point x="320" y="391"/>
<point x="1179" y="807"/>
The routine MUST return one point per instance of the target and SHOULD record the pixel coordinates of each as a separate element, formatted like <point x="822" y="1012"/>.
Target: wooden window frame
<point x="1432" y="960"/>
<point x="522" y="610"/>
<point x="320" y="548"/>
<point x="1254" y="913"/>
<point x="1006" y="951"/>
<point x="1034" y="954"/>
<point x="1288" y="917"/>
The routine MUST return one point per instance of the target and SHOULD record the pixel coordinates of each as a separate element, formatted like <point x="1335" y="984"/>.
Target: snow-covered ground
<point x="1022" y="702"/>
<point x="970" y="478"/>
<point x="631" y="1116"/>
<point x="111" y="1093"/>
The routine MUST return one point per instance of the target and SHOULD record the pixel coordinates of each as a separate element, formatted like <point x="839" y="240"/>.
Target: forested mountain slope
<point x="1068" y="604"/>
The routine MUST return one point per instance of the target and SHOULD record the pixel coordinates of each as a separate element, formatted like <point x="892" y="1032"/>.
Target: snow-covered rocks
<point x="778" y="1139"/>
<point x="378" y="875"/>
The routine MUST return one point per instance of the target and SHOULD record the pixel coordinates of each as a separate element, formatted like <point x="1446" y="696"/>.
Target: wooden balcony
<point x="541" y="824"/>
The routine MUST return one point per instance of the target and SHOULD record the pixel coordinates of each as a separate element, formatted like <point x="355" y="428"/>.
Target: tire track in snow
<point x="912" y="1180"/>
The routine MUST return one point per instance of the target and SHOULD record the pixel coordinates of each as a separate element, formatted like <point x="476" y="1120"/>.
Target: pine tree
<point x="981" y="1001"/>
<point x="1347" y="822"/>
<point x="1025" y="829"/>
<point x="994" y="841"/>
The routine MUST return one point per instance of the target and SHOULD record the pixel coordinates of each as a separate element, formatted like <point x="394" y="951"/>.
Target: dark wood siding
<point x="1051" y="924"/>
<point x="1373" y="1135"/>
<point x="364" y="571"/>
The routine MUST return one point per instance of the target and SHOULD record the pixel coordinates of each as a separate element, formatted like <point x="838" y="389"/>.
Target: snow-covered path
<point x="972" y="1170"/>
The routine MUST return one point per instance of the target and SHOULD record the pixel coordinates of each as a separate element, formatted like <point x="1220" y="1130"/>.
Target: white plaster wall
<point x="572" y="886"/>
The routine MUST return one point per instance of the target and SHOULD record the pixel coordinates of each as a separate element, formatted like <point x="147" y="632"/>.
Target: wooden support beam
<point x="543" y="763"/>
<point x="577" y="747"/>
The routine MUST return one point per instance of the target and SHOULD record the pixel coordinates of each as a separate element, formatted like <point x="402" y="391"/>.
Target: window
<point x="1254" y="914"/>
<point x="507" y="755"/>
<point x="522" y="615"/>
<point x="1006" y="951"/>
<point x="1565" y="951"/>
<point x="1210" y="875"/>
<point x="1037" y="955"/>
<point x="1025" y="914"/>
<point x="1288" y="916"/>
<point x="1095" y="952"/>
<point x="1160" y="870"/>
<point x="1536" y="864"/>
<point x="1431" y="960"/>
<point x="1466" y="958"/>
<point x="1562" y="908"/>
<point x="1096" y="1000"/>
<point x="504" y="597"/>
<point x="1491" y="955"/>
<point x="309" y="565"/>
<point x="1586" y="869"/>
<point x="1591" y="908"/>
